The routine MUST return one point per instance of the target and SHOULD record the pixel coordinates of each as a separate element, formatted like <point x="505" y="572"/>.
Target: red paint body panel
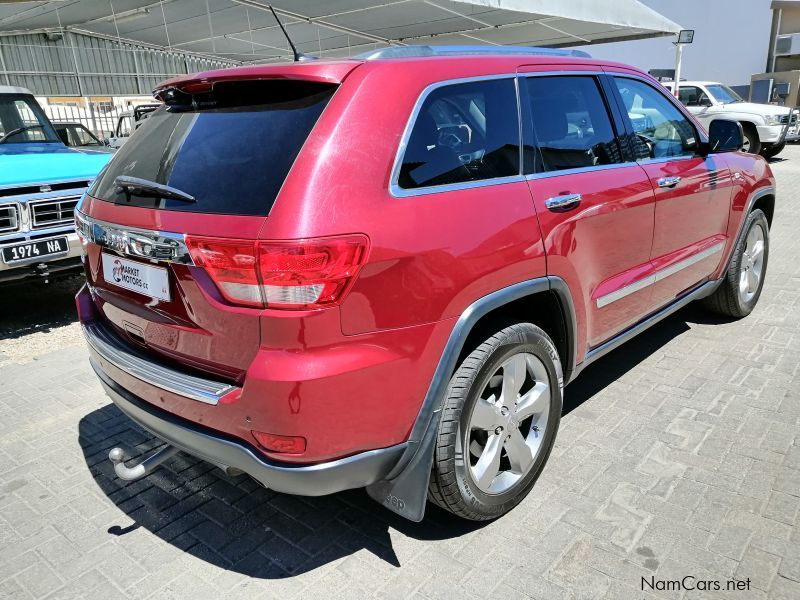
<point x="352" y="377"/>
<point x="600" y="246"/>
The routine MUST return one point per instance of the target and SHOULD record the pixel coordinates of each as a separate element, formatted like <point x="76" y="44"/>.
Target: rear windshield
<point x="230" y="148"/>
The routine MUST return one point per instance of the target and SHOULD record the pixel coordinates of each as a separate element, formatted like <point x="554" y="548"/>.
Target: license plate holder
<point x="35" y="250"/>
<point x="135" y="276"/>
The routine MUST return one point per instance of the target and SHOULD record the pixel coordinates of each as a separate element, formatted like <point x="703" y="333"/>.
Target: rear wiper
<point x="145" y="187"/>
<point x="14" y="132"/>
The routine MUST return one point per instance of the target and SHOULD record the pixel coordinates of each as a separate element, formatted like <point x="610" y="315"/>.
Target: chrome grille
<point x="50" y="213"/>
<point x="9" y="218"/>
<point x="785" y="118"/>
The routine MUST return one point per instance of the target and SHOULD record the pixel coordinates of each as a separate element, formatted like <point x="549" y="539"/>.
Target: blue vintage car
<point x="41" y="181"/>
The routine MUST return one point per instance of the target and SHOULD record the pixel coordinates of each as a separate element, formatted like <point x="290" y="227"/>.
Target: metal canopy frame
<point x="243" y="31"/>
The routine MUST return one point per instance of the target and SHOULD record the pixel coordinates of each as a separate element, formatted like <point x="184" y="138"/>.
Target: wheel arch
<point x="766" y="202"/>
<point x="405" y="488"/>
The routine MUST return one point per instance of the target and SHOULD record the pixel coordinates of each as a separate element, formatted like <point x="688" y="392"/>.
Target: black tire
<point x="773" y="150"/>
<point x="452" y="485"/>
<point x="752" y="143"/>
<point x="727" y="300"/>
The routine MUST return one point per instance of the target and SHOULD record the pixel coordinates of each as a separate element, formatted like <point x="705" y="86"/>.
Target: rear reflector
<point x="301" y="274"/>
<point x="286" y="444"/>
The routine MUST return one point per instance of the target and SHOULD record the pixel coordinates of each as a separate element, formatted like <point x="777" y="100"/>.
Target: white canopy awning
<point x="245" y="30"/>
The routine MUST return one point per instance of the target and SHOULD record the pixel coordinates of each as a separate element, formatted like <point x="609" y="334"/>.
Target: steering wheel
<point x="649" y="142"/>
<point x="449" y="138"/>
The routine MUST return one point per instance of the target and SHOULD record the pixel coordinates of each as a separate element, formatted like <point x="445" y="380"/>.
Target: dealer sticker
<point x="137" y="277"/>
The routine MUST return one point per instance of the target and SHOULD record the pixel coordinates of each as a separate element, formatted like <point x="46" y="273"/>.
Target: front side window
<point x="22" y="120"/>
<point x="571" y="123"/>
<point x="690" y="95"/>
<point x="463" y="132"/>
<point x="124" y="127"/>
<point x="661" y="130"/>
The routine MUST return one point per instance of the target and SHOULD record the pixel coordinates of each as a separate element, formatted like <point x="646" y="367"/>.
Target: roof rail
<point x="421" y="51"/>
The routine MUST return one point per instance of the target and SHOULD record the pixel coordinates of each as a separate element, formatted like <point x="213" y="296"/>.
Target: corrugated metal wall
<point x="79" y="65"/>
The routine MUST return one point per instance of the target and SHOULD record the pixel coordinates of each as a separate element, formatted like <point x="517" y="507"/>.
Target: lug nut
<point x="504" y="411"/>
<point x="499" y="430"/>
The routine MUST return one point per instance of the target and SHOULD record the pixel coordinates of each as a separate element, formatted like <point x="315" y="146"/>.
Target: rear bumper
<point x="52" y="270"/>
<point x="355" y="471"/>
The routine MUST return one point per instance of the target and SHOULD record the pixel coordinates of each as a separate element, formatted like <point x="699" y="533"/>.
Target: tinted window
<point x="571" y="123"/>
<point x="230" y="149"/>
<point x="661" y="129"/>
<point x="463" y="132"/>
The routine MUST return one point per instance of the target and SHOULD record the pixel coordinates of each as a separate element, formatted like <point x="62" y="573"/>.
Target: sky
<point x="730" y="42"/>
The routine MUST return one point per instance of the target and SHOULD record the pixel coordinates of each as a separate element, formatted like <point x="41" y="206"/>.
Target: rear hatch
<point x="202" y="170"/>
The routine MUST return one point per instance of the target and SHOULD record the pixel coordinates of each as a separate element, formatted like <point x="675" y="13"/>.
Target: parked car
<point x="128" y="122"/>
<point x="76" y="135"/>
<point x="291" y="276"/>
<point x="41" y="181"/>
<point x="766" y="126"/>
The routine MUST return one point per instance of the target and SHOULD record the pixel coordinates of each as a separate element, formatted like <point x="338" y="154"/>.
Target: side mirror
<point x="725" y="135"/>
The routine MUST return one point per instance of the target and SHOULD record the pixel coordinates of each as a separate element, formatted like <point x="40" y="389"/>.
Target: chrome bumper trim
<point x="110" y="348"/>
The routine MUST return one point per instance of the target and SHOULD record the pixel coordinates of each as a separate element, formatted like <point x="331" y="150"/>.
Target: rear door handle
<point x="563" y="203"/>
<point x="668" y="182"/>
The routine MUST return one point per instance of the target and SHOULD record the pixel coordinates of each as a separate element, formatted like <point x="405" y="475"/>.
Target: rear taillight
<point x="301" y="274"/>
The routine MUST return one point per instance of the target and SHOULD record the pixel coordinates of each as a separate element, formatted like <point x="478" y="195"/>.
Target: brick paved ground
<point x="679" y="455"/>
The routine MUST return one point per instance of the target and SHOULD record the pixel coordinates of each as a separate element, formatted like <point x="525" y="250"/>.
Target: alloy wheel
<point x="508" y="424"/>
<point x="752" y="264"/>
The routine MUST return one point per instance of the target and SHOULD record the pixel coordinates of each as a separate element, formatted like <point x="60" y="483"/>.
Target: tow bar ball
<point x="144" y="468"/>
<point x="117" y="456"/>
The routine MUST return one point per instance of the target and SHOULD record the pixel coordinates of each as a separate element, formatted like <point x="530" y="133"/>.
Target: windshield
<point x="230" y="149"/>
<point x="22" y="121"/>
<point x="724" y="94"/>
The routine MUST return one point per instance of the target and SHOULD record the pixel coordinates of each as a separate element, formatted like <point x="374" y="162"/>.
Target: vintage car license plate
<point x="137" y="277"/>
<point x="31" y="251"/>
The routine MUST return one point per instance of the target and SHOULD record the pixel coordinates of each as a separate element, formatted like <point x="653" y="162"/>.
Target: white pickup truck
<point x="763" y="124"/>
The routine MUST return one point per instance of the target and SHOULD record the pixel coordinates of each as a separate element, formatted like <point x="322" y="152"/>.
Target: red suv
<point x="382" y="272"/>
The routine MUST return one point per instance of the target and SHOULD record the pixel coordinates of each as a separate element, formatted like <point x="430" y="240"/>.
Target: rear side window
<point x="463" y="132"/>
<point x="571" y="123"/>
<point x="230" y="148"/>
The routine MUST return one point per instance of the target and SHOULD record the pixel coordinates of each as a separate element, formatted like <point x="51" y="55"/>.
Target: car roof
<point x="13" y="89"/>
<point x="489" y="59"/>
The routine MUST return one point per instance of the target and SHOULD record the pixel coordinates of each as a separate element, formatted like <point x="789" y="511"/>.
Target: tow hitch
<point x="117" y="456"/>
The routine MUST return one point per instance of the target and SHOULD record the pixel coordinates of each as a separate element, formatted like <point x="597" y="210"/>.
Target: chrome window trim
<point x="111" y="349"/>
<point x="394" y="186"/>
<point x="659" y="275"/>
<point x="119" y="238"/>
<point x="547" y="174"/>
<point x="652" y="161"/>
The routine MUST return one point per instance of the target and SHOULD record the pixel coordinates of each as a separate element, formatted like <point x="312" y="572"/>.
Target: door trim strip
<point x="659" y="275"/>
